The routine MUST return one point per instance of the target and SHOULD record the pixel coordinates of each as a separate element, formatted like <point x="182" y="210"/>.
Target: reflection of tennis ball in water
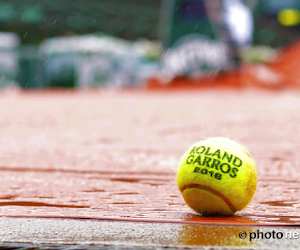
<point x="217" y="177"/>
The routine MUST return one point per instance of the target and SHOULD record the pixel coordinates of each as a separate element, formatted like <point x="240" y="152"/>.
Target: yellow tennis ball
<point x="217" y="176"/>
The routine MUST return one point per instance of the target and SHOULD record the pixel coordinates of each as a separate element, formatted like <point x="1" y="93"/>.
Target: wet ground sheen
<point x="113" y="155"/>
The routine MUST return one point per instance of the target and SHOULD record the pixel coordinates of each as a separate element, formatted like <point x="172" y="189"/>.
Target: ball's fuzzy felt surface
<point x="217" y="176"/>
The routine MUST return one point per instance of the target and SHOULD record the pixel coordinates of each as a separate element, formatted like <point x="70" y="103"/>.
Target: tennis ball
<point x="217" y="176"/>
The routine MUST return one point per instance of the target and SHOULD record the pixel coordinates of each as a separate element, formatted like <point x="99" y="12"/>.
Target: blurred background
<point x="141" y="43"/>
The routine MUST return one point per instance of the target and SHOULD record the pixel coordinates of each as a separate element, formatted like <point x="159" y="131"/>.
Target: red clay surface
<point x="114" y="155"/>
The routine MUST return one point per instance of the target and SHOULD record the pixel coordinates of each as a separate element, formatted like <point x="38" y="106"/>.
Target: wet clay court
<point x="98" y="169"/>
